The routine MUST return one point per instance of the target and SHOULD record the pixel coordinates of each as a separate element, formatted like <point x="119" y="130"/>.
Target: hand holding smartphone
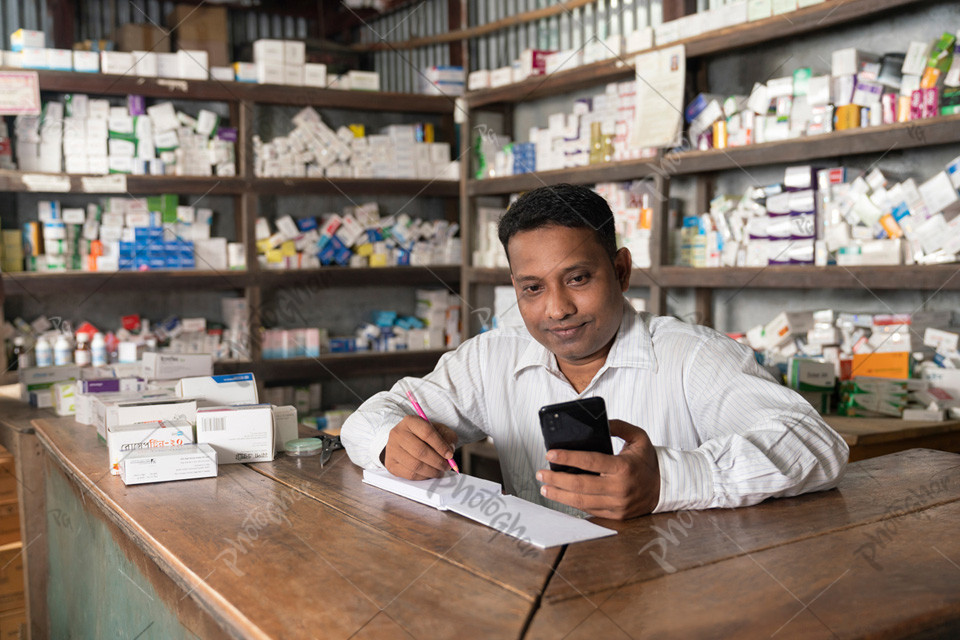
<point x="580" y="425"/>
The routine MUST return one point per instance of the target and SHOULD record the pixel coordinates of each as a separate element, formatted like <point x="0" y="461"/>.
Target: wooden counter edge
<point x="230" y="619"/>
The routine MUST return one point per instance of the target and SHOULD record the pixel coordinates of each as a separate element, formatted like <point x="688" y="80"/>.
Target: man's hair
<point x="565" y="205"/>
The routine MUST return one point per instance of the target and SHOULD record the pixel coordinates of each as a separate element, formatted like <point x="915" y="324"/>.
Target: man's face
<point x="569" y="293"/>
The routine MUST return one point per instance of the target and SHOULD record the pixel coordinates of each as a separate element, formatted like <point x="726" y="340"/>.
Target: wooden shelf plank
<point x="12" y="181"/>
<point x="327" y="277"/>
<point x="815" y="18"/>
<point x="882" y="139"/>
<point x="914" y="277"/>
<point x="340" y="99"/>
<point x="348" y="365"/>
<point x="218" y="91"/>
<point x="486" y="275"/>
<point x="355" y="186"/>
<point x="35" y="284"/>
<point x="612" y="171"/>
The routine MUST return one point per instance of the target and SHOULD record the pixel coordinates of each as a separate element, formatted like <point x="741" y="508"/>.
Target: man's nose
<point x="559" y="305"/>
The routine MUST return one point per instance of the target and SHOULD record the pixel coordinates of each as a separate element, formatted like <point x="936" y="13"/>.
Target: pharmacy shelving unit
<point x="702" y="165"/>
<point x="246" y="189"/>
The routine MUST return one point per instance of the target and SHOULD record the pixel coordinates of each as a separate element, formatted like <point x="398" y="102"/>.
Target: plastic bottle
<point x="62" y="353"/>
<point x="83" y="355"/>
<point x="43" y="352"/>
<point x="98" y="350"/>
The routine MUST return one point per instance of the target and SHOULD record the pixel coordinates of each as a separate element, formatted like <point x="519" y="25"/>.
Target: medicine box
<point x="41" y="379"/>
<point x="149" y="410"/>
<point x="122" y="439"/>
<point x="167" y="366"/>
<point x="240" y="388"/>
<point x="185" y="462"/>
<point x="239" y="434"/>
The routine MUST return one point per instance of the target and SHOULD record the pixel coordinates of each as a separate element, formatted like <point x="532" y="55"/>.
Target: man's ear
<point x="623" y="267"/>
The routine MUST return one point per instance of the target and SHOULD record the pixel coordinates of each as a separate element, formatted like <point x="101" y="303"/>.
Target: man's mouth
<point x="565" y="332"/>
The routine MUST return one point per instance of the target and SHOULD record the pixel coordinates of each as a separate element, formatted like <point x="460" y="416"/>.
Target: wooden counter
<point x="288" y="549"/>
<point x="871" y="437"/>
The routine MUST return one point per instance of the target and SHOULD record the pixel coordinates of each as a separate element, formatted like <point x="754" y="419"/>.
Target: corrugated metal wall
<point x="399" y="70"/>
<point x="22" y="14"/>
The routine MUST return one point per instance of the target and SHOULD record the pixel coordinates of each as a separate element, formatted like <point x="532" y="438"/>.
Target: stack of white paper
<point x="483" y="501"/>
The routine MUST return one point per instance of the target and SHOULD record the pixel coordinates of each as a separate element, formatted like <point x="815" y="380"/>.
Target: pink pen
<point x="419" y="410"/>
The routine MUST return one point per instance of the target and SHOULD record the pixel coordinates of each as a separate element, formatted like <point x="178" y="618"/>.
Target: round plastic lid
<point x="303" y="447"/>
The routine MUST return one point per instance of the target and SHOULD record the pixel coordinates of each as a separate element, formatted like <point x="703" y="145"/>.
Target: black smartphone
<point x="580" y="425"/>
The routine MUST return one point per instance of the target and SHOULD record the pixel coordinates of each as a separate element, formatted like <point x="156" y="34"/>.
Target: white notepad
<point x="483" y="501"/>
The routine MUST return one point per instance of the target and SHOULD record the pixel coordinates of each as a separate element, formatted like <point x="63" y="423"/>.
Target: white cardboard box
<point x="168" y="366"/>
<point x="240" y="388"/>
<point x="185" y="462"/>
<point x="160" y="407"/>
<point x="124" y="438"/>
<point x="270" y="51"/>
<point x="314" y="75"/>
<point x="86" y="61"/>
<point x="239" y="434"/>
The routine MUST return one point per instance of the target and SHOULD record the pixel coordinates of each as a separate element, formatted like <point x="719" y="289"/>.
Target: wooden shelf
<point x="12" y="181"/>
<point x="348" y="365"/>
<point x="609" y="172"/>
<point x="219" y="91"/>
<point x="355" y="186"/>
<point x="339" y="99"/>
<point x="815" y="18"/>
<point x="327" y="277"/>
<point x="36" y="284"/>
<point x="882" y="139"/>
<point x="498" y="276"/>
<point x="913" y="277"/>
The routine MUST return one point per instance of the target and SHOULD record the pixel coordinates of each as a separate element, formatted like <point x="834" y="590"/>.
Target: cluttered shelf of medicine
<point x="939" y="130"/>
<point x="80" y="134"/>
<point x="158" y="233"/>
<point x="868" y="102"/>
<point x="541" y="73"/>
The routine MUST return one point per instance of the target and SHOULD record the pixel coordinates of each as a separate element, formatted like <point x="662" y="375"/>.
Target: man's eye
<point x="579" y="279"/>
<point x="531" y="288"/>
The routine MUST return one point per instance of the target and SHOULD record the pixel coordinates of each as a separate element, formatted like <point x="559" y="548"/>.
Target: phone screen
<point x="579" y="425"/>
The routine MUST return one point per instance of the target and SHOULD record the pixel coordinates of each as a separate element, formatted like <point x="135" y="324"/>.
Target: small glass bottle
<point x="21" y="355"/>
<point x="83" y="354"/>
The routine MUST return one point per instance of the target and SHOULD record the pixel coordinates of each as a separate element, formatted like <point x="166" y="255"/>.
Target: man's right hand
<point x="418" y="450"/>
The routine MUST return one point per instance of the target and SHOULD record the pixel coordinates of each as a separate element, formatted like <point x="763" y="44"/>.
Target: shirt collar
<point x="632" y="347"/>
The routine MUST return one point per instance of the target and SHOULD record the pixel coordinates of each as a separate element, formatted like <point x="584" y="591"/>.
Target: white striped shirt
<point x="725" y="433"/>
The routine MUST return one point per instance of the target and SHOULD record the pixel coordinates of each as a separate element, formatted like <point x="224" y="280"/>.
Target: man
<point x="702" y="424"/>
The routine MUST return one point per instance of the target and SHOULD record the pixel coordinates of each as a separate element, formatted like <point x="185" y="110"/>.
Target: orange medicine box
<point x="881" y="365"/>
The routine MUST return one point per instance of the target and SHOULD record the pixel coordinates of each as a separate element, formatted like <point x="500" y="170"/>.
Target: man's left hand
<point x="628" y="485"/>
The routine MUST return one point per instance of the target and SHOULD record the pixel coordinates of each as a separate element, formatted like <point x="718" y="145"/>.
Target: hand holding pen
<point x="418" y="449"/>
<point x="419" y="410"/>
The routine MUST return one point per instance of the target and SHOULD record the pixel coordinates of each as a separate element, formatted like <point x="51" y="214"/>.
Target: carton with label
<point x="239" y="434"/>
<point x="125" y="438"/>
<point x="184" y="462"/>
